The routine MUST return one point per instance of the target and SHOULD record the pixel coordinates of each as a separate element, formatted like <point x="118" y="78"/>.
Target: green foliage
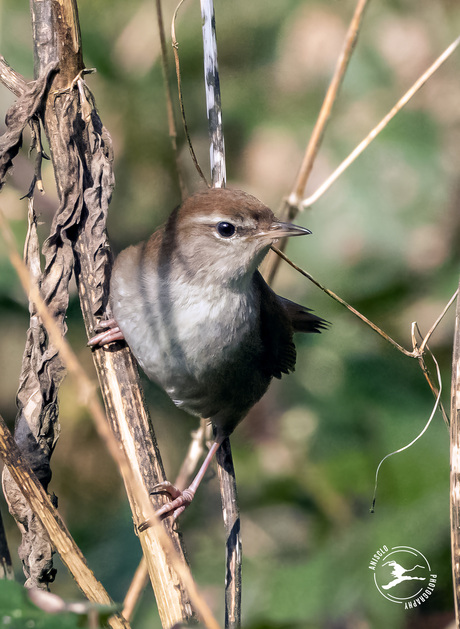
<point x="18" y="612"/>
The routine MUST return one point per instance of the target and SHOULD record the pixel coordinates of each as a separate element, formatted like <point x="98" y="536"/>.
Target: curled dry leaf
<point x="85" y="183"/>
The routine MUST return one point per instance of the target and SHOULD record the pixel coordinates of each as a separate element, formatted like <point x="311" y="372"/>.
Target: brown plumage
<point x="199" y="317"/>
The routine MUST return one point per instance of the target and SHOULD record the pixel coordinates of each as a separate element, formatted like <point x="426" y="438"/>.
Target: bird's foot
<point x="110" y="334"/>
<point x="180" y="501"/>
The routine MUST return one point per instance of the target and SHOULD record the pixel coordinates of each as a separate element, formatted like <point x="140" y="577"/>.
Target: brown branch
<point x="11" y="79"/>
<point x="41" y="504"/>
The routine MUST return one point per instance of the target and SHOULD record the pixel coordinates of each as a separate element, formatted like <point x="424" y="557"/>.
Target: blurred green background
<point x="385" y="237"/>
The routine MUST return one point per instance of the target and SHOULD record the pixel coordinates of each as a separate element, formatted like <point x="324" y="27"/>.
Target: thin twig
<point x="175" y="46"/>
<point x="11" y="79"/>
<point x="344" y="303"/>
<point x="328" y="103"/>
<point x="194" y="453"/>
<point x="137" y="586"/>
<point x="381" y="125"/>
<point x="422" y="361"/>
<point x="290" y="208"/>
<point x="436" y="323"/>
<point x="225" y="468"/>
<point x="89" y="398"/>
<point x="421" y="433"/>
<point x="417" y="352"/>
<point x="169" y="104"/>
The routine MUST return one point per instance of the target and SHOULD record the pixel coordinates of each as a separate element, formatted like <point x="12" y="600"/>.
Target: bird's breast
<point x="181" y="332"/>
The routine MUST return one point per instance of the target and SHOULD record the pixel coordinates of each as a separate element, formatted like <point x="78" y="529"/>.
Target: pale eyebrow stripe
<point x="212" y="219"/>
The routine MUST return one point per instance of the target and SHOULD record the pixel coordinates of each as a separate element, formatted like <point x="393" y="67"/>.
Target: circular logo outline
<point x="402" y="574"/>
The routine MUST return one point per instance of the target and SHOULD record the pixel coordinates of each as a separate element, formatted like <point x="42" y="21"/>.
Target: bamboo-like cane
<point x="224" y="459"/>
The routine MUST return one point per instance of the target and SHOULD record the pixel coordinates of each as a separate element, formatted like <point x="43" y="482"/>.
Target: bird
<point x="199" y="317"/>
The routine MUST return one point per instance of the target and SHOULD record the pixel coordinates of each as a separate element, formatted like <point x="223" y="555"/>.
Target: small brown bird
<point x="199" y="317"/>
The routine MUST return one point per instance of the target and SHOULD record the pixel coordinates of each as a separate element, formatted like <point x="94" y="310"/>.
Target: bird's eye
<point x="226" y="230"/>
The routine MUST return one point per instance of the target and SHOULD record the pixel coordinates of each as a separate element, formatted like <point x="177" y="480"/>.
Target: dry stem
<point x="87" y="391"/>
<point x="417" y="351"/>
<point x="328" y="103"/>
<point x="308" y="202"/>
<point x="190" y="463"/>
<point x="175" y="46"/>
<point x="59" y="535"/>
<point x="455" y="466"/>
<point x="169" y="104"/>
<point x="290" y="206"/>
<point x="135" y="589"/>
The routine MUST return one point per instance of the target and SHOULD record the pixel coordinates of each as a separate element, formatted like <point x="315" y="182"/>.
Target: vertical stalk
<point x="213" y="100"/>
<point x="82" y="158"/>
<point x="224" y="458"/>
<point x="455" y="465"/>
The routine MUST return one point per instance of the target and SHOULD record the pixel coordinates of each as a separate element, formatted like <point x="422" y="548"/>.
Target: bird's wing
<point x="279" y="319"/>
<point x="303" y="319"/>
<point x="279" y="353"/>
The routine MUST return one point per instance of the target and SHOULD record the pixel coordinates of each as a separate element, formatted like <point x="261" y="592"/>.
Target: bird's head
<point x="225" y="234"/>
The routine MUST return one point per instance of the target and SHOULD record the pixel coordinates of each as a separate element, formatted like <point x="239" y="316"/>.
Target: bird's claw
<point x="110" y="334"/>
<point x="180" y="501"/>
<point x="165" y="487"/>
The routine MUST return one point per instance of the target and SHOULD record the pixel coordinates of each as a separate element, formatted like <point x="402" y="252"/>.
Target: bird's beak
<point x="279" y="229"/>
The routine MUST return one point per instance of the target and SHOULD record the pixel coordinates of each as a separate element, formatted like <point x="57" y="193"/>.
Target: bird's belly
<point x="201" y="351"/>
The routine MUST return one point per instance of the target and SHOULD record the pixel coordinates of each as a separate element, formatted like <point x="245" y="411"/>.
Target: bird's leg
<point x="181" y="499"/>
<point x="112" y="333"/>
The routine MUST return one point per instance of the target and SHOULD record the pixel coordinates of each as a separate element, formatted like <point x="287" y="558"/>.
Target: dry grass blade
<point x="169" y="105"/>
<point x="135" y="589"/>
<point x="290" y="206"/>
<point x="88" y="395"/>
<point x="381" y="125"/>
<point x="328" y="103"/>
<point x="344" y="303"/>
<point x="175" y="45"/>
